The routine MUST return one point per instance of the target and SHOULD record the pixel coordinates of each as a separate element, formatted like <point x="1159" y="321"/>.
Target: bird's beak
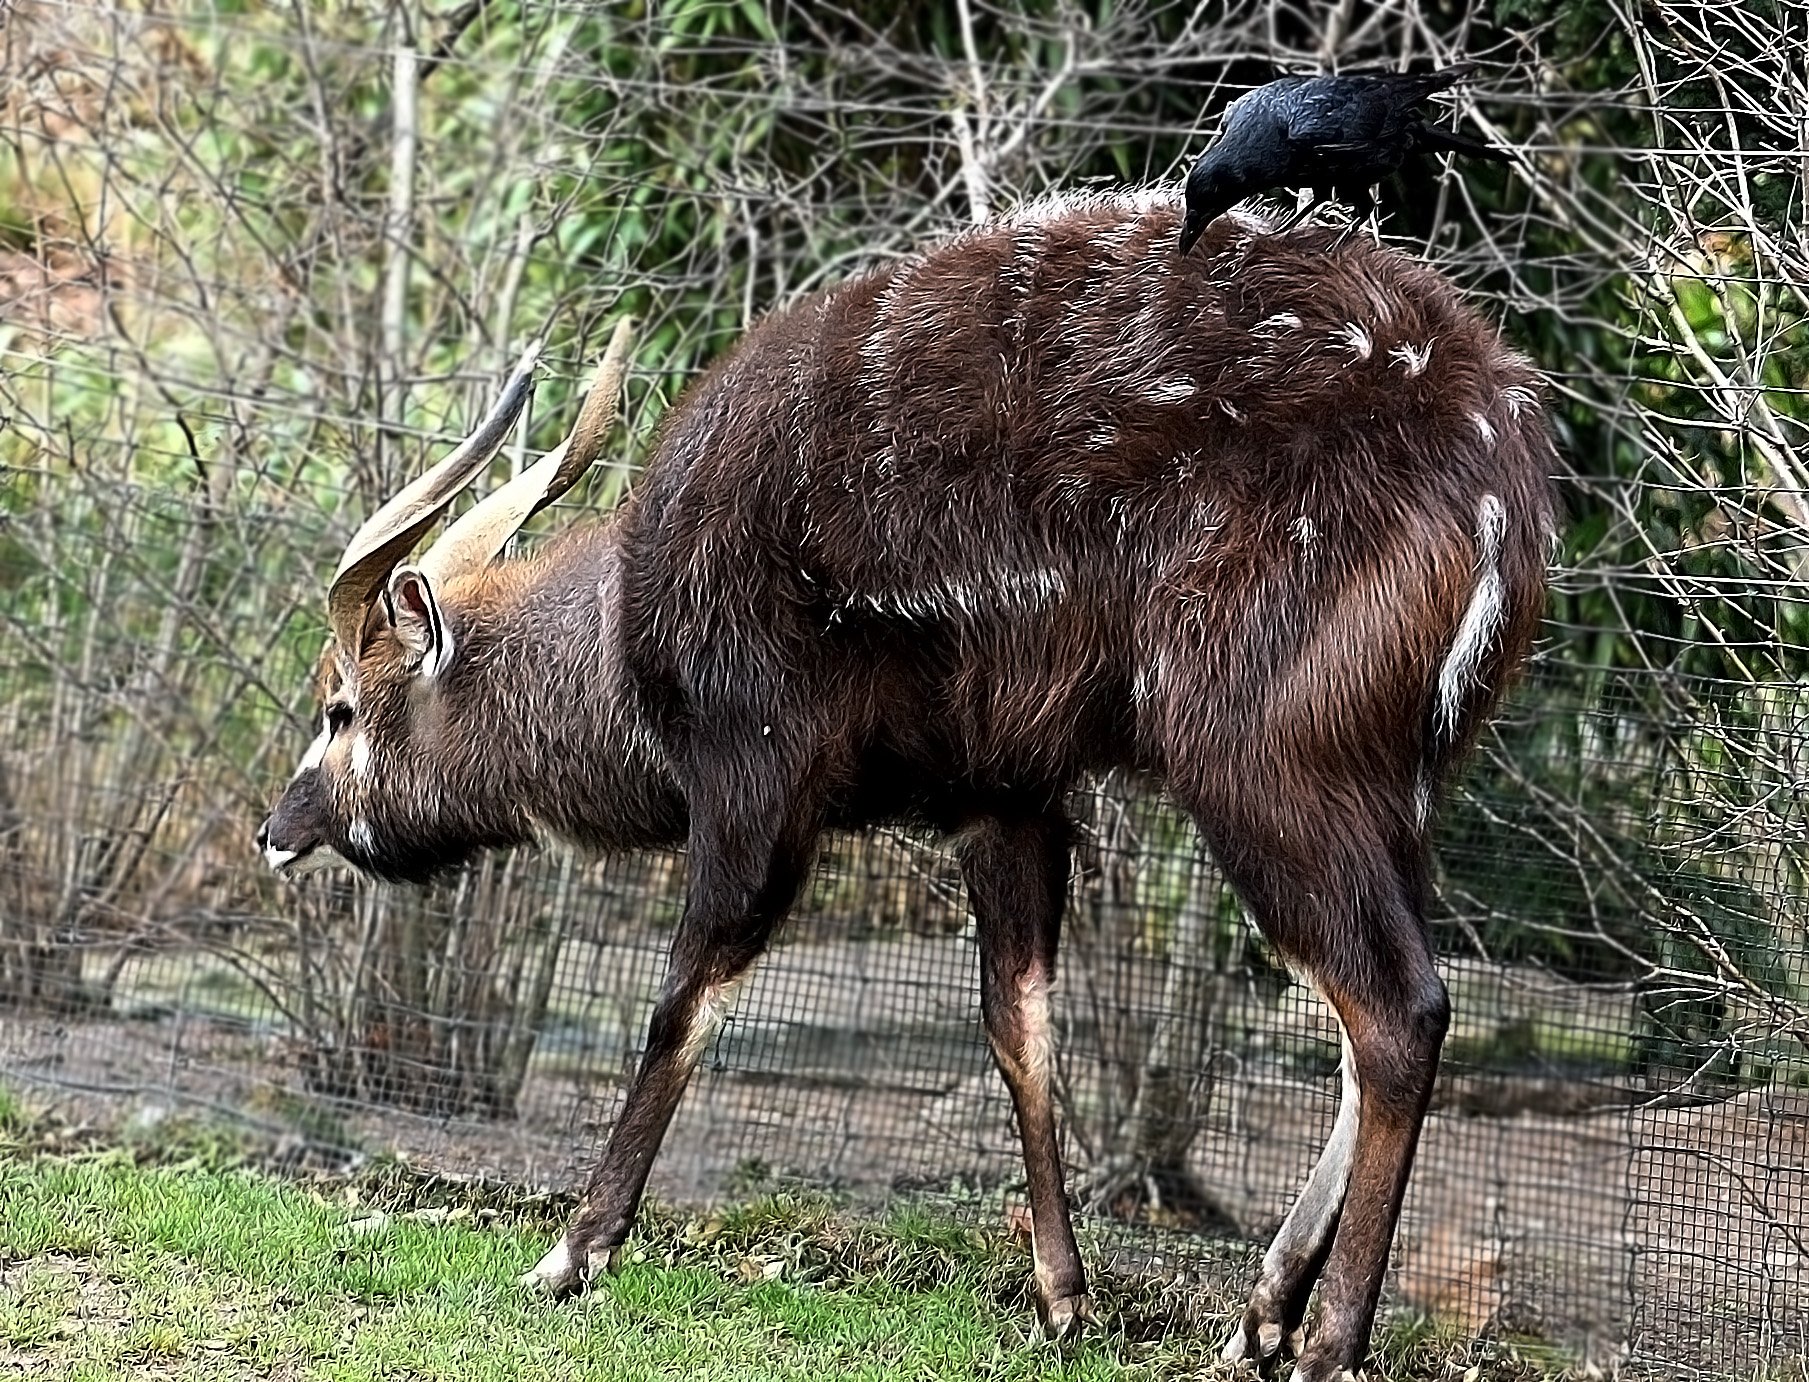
<point x="1192" y="228"/>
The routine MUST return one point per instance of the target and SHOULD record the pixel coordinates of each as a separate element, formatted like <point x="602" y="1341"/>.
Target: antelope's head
<point x="393" y="784"/>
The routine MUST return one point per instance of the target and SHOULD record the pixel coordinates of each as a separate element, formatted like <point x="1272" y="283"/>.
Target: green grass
<point x="116" y="1269"/>
<point x="173" y="1257"/>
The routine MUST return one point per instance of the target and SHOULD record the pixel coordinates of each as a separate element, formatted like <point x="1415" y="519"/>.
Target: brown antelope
<point x="1266" y="523"/>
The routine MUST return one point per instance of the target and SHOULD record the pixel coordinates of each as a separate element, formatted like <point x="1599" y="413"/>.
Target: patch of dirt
<point x="1563" y="1211"/>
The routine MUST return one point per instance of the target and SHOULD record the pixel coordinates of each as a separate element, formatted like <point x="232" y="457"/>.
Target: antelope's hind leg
<point x="746" y="861"/>
<point x="1017" y="881"/>
<point x="1345" y="905"/>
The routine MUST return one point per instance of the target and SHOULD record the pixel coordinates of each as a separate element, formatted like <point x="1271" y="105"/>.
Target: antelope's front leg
<point x="1017" y="880"/>
<point x="689" y="1011"/>
<point x="741" y="883"/>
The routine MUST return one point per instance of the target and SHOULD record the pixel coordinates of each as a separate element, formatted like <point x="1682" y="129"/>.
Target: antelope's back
<point x="1062" y="485"/>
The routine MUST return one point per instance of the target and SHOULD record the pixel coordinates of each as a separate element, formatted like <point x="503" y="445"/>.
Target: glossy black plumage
<point x="1337" y="135"/>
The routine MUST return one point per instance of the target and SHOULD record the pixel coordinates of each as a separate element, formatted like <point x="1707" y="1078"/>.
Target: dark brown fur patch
<point x="932" y="544"/>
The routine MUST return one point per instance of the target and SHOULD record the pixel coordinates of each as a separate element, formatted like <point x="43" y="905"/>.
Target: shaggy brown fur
<point x="1267" y="523"/>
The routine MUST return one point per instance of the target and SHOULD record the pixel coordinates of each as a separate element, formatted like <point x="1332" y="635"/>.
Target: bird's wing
<point x="1326" y="111"/>
<point x="1259" y="106"/>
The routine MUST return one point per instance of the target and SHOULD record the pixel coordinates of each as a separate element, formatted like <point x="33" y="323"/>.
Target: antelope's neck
<point x="585" y="768"/>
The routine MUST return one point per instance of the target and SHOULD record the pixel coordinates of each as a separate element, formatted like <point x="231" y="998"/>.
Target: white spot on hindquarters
<point x="1304" y="531"/>
<point x="361" y="755"/>
<point x="1412" y="358"/>
<point x="1356" y="336"/>
<point x="1484" y="428"/>
<point x="1519" y="399"/>
<point x="1275" y="325"/>
<point x="1480" y="621"/>
<point x="1176" y="390"/>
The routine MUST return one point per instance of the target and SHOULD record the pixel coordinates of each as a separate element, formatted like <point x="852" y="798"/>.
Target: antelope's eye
<point x="339" y="715"/>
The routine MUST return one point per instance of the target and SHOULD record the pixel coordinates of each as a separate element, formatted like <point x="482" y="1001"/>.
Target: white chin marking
<point x="291" y="864"/>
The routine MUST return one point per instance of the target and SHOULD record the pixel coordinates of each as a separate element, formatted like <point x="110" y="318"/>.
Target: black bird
<point x="1337" y="135"/>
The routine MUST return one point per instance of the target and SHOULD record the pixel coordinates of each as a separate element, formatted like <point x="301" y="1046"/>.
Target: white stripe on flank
<point x="1519" y="399"/>
<point x="1176" y="390"/>
<point x="1412" y="358"/>
<point x="1422" y="800"/>
<point x="1481" y="620"/>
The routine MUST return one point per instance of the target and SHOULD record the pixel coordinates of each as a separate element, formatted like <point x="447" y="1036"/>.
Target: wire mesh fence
<point x="256" y="260"/>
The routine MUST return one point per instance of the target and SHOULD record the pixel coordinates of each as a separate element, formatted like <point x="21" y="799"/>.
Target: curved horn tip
<point x="477" y="536"/>
<point x="387" y="535"/>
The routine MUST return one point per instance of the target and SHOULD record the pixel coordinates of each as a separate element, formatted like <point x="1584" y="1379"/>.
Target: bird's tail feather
<point x="1450" y="142"/>
<point x="1424" y="84"/>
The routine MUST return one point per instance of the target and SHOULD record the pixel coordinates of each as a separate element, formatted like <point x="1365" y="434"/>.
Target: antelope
<point x="1266" y="524"/>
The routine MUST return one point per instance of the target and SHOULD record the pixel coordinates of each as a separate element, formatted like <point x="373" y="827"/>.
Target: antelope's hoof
<point x="1332" y="1373"/>
<point x="1067" y="1317"/>
<point x="556" y="1274"/>
<point x="560" y="1274"/>
<point x="1261" y="1343"/>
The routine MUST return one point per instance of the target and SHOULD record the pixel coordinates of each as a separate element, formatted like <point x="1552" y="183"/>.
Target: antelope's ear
<point x="419" y="625"/>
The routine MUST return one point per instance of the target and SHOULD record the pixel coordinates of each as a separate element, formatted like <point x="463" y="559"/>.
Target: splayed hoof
<point x="561" y="1274"/>
<point x="556" y="1274"/>
<point x="1306" y="1372"/>
<point x="1067" y="1317"/>
<point x="1261" y="1343"/>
